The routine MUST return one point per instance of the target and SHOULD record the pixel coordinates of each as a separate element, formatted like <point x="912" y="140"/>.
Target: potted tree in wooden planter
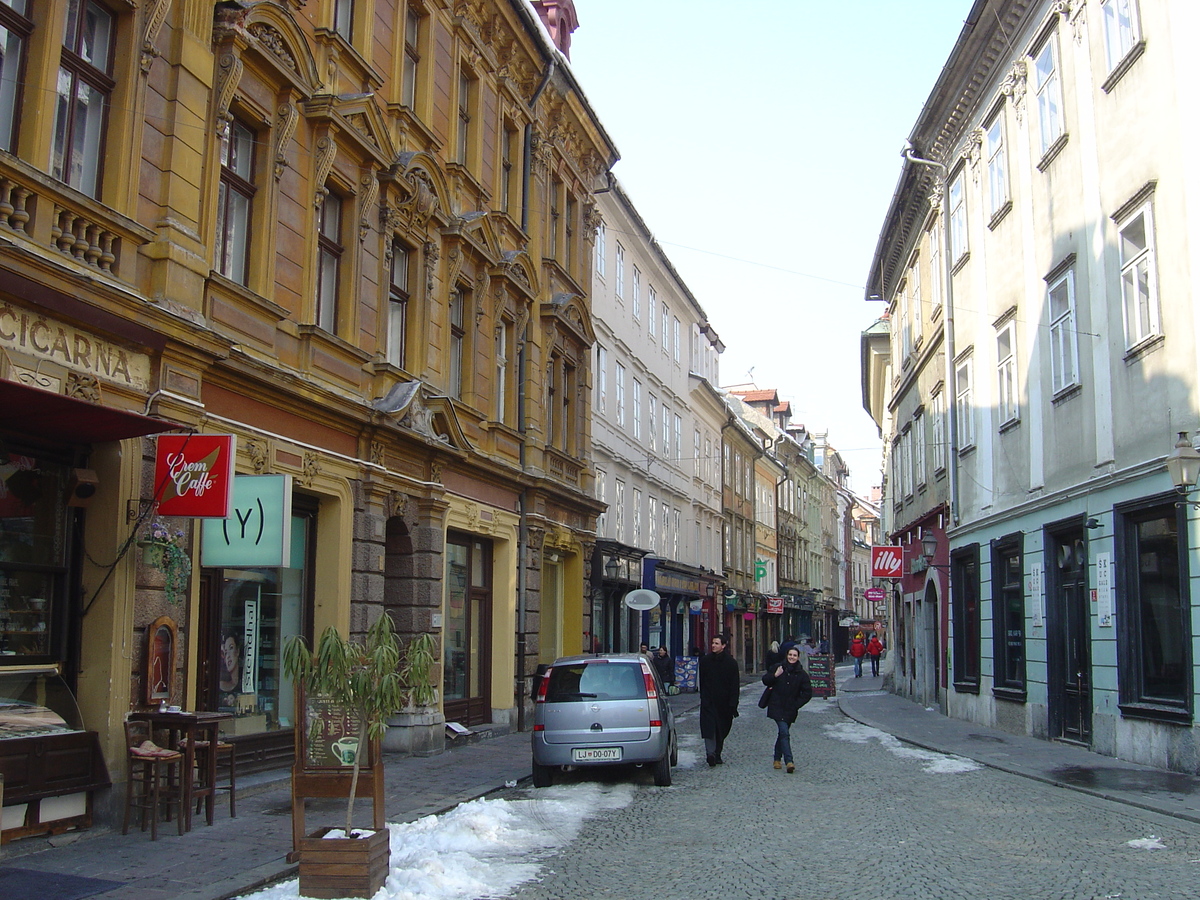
<point x="418" y="726"/>
<point x="363" y="679"/>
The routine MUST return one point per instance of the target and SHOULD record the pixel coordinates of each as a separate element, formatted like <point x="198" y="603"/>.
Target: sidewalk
<point x="236" y="856"/>
<point x="1051" y="762"/>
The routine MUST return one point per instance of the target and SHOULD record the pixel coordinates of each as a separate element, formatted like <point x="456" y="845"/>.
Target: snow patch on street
<point x="932" y="762"/>
<point x="484" y="848"/>
<point x="1150" y="843"/>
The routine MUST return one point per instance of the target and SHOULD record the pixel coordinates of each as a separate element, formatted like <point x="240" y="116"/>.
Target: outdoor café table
<point x="192" y="727"/>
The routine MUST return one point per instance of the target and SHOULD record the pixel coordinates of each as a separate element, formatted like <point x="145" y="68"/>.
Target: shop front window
<point x="32" y="557"/>
<point x="259" y="609"/>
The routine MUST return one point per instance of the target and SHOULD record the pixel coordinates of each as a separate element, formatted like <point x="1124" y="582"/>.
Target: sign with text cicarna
<point x="887" y="562"/>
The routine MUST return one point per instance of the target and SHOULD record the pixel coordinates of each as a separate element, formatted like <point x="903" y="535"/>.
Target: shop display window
<point x="34" y="702"/>
<point x="260" y="609"/>
<point x="32" y="556"/>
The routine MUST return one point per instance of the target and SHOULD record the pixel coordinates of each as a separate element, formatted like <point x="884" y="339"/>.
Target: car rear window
<point x="599" y="681"/>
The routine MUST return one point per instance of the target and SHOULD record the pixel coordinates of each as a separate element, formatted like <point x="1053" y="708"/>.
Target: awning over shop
<point x="46" y="415"/>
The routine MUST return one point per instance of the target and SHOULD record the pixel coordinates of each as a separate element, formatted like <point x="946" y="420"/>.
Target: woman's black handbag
<point x="765" y="699"/>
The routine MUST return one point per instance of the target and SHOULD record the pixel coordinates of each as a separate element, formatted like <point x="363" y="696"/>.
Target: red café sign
<point x="775" y="605"/>
<point x="193" y="475"/>
<point x="887" y="562"/>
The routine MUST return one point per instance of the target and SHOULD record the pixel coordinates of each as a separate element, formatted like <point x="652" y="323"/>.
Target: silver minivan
<point x="602" y="710"/>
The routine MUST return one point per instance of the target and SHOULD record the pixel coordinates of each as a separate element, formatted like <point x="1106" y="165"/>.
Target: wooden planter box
<point x="343" y="867"/>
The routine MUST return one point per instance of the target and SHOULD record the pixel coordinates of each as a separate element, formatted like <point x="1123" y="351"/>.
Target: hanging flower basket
<point x="163" y="550"/>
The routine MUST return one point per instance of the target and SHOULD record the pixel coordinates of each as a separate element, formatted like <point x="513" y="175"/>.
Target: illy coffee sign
<point x="887" y="562"/>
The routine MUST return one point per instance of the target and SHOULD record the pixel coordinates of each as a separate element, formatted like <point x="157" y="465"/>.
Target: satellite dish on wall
<point x="642" y="599"/>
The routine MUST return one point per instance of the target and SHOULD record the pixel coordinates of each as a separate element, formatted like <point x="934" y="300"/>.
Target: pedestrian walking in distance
<point x="858" y="649"/>
<point x="874" y="650"/>
<point x="664" y="662"/>
<point x="774" y="656"/>
<point x="790" y="689"/>
<point x="720" y="683"/>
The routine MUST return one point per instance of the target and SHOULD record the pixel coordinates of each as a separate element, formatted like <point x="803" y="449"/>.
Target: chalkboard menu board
<point x="820" y="672"/>
<point x="331" y="735"/>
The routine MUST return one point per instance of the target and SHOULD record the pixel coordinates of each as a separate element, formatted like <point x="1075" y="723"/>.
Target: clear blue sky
<point x="761" y="143"/>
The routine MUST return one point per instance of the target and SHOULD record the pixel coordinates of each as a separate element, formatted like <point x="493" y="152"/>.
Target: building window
<point x="965" y="614"/>
<point x="677" y="433"/>
<point x="637" y="410"/>
<point x="1154" y="611"/>
<point x="696" y="452"/>
<point x="666" y="431"/>
<point x="958" y="218"/>
<point x="997" y="170"/>
<point x="620" y="389"/>
<point x="1008" y="618"/>
<point x="636" y="539"/>
<point x="1049" y="93"/>
<point x="906" y="479"/>
<point x="675" y="339"/>
<point x="508" y="156"/>
<point x="666" y="528"/>
<point x="619" y="510"/>
<point x="14" y="29"/>
<point x="938" y="405"/>
<point x="651" y="307"/>
<point x="914" y="295"/>
<point x="676" y="528"/>
<point x="652" y="422"/>
<point x="329" y="257"/>
<point x="343" y="18"/>
<point x="569" y="234"/>
<point x="458" y="302"/>
<point x="412" y="57"/>
<point x="1139" y="277"/>
<point x="636" y="299"/>
<point x="85" y="85"/>
<point x="1006" y="373"/>
<point x="600" y="250"/>
<point x="666" y="321"/>
<point x="964" y="409"/>
<point x="398" y="294"/>
<point x="503" y="382"/>
<point x="602" y="496"/>
<point x="619" y="287"/>
<point x="601" y="380"/>
<point x="556" y="191"/>
<point x="466" y="102"/>
<point x="1064" y="343"/>
<point x="918" y="432"/>
<point x="935" y="268"/>
<point x="234" y="198"/>
<point x="652" y="519"/>
<point x="1120" y="29"/>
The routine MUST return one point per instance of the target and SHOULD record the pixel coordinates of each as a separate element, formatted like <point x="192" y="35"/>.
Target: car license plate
<point x="596" y="754"/>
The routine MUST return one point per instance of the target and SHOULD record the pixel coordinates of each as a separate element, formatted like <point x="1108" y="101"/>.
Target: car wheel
<point x="662" y="771"/>
<point x="674" y="751"/>
<point x="543" y="776"/>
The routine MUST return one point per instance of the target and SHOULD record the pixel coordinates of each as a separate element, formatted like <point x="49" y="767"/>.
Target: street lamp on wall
<point x="1183" y="465"/>
<point x="929" y="545"/>
<point x="612" y="568"/>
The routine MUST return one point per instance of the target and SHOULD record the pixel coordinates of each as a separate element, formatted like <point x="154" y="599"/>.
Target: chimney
<point x="560" y="20"/>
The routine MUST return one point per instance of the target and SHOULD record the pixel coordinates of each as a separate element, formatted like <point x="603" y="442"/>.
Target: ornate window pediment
<point x="571" y="316"/>
<point x="359" y="122"/>
<point x="410" y="405"/>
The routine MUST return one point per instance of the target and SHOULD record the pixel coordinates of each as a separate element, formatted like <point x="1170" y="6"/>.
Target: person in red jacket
<point x="874" y="650"/>
<point x="858" y="649"/>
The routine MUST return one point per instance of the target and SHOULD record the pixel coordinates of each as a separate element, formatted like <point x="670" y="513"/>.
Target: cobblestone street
<point x="874" y="818"/>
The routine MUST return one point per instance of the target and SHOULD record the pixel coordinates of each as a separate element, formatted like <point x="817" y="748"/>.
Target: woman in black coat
<point x="790" y="690"/>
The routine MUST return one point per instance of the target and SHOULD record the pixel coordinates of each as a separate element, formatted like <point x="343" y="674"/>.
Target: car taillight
<point x="541" y="693"/>
<point x="539" y="727"/>
<point x="651" y="690"/>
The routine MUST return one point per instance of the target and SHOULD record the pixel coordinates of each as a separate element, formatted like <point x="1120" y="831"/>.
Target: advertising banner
<point x="193" y="475"/>
<point x="257" y="531"/>
<point x="887" y="562"/>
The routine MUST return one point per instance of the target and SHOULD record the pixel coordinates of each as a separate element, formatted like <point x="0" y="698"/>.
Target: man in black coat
<point x="720" y="686"/>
